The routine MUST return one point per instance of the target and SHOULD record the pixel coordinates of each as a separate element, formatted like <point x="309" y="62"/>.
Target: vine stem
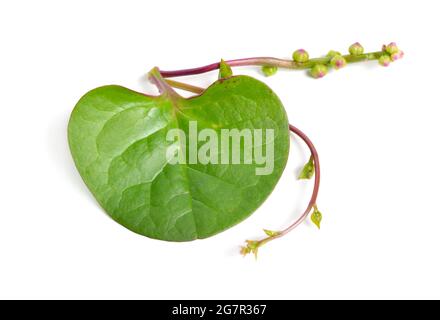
<point x="270" y="62"/>
<point x="313" y="198"/>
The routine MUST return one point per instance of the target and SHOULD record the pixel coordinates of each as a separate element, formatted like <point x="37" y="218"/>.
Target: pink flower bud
<point x="318" y="71"/>
<point x="338" y="62"/>
<point x="300" y="56"/>
<point x="392" y="48"/>
<point x="356" y="49"/>
<point x="396" y="56"/>
<point x="385" y="60"/>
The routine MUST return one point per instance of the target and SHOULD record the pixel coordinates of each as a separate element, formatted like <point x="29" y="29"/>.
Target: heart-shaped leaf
<point x="120" y="144"/>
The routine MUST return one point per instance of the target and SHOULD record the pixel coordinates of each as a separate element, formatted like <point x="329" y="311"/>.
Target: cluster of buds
<point x="391" y="53"/>
<point x="251" y="247"/>
<point x="337" y="60"/>
<point x="319" y="67"/>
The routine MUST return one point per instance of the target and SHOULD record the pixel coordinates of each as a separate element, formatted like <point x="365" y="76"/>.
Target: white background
<point x="376" y="130"/>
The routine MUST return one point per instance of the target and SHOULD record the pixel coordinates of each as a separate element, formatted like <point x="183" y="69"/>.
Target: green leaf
<point x="225" y="70"/>
<point x="316" y="217"/>
<point x="308" y="170"/>
<point x="118" y="140"/>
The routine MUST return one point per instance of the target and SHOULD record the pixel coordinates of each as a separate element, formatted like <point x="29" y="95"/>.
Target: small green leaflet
<point x="117" y="138"/>
<point x="308" y="170"/>
<point x="271" y="233"/>
<point x="316" y="217"/>
<point x="225" y="70"/>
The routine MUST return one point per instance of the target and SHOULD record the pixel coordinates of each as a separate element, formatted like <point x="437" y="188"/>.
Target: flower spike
<point x="318" y="67"/>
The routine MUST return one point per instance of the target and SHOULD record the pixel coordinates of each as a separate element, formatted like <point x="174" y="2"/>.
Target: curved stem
<point x="315" y="192"/>
<point x="271" y="62"/>
<point x="313" y="198"/>
<point x="161" y="84"/>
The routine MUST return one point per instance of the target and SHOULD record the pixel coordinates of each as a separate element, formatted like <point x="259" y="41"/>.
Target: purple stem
<point x="259" y="61"/>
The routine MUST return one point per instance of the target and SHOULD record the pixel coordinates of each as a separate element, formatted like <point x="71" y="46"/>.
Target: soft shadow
<point x="59" y="152"/>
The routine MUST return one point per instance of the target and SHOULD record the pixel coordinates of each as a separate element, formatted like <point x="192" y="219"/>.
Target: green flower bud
<point x="318" y="71"/>
<point x="333" y="53"/>
<point x="300" y="56"/>
<point x="356" y="49"/>
<point x="338" y="62"/>
<point x="269" y="70"/>
<point x="385" y="60"/>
